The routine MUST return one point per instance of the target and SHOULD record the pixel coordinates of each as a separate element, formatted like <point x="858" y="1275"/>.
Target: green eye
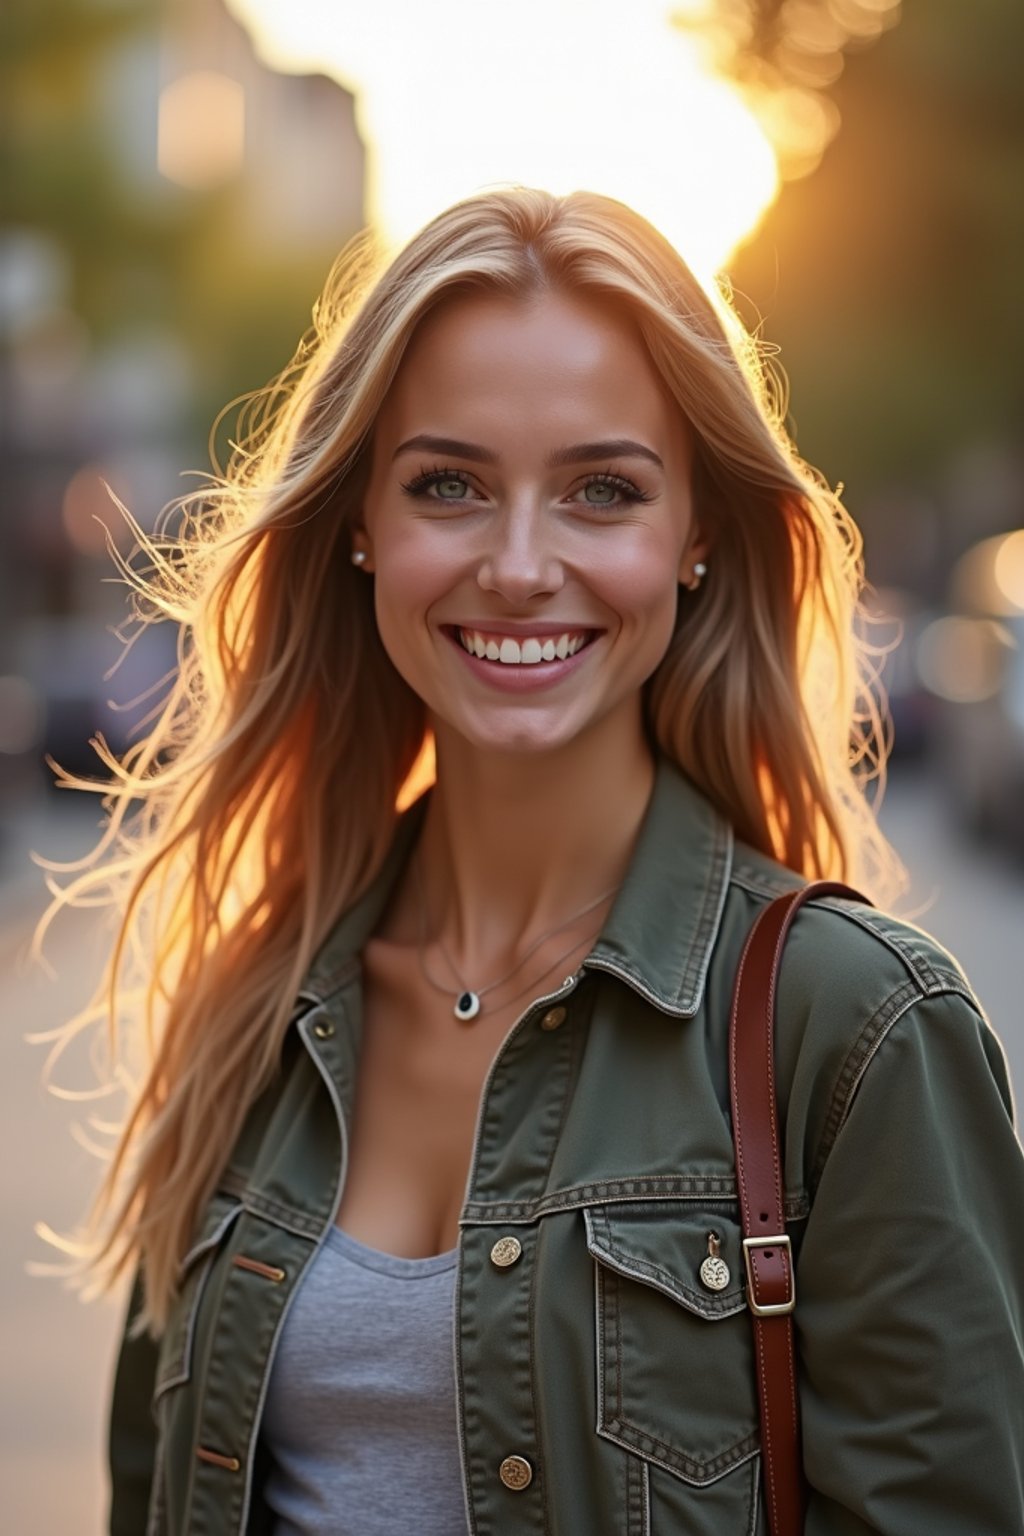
<point x="603" y="493"/>
<point x="451" y="490"/>
<point x="607" y="489"/>
<point x="439" y="485"/>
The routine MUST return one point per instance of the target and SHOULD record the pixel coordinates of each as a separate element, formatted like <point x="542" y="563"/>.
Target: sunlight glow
<point x="455" y="96"/>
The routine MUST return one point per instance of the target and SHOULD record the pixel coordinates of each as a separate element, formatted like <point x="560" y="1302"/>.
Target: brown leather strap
<point x="771" y="1290"/>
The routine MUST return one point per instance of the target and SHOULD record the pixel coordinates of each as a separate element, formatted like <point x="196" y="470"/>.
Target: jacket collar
<point x="661" y="928"/>
<point x="663" y="923"/>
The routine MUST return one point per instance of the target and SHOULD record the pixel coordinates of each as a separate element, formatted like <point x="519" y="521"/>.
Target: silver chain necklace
<point x="467" y="1001"/>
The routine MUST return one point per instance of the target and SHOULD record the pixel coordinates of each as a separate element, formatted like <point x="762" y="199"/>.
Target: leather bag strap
<point x="771" y="1285"/>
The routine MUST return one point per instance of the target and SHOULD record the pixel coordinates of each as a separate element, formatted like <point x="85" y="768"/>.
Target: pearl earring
<point x="700" y="570"/>
<point x="358" y="556"/>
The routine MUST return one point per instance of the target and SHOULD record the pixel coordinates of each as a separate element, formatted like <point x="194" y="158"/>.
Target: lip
<point x="520" y="679"/>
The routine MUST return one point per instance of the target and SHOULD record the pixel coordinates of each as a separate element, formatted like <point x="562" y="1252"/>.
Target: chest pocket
<point x="675" y="1358"/>
<point x="174" y="1361"/>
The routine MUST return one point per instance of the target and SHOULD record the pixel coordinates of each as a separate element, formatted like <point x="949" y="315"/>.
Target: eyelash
<point x="420" y="484"/>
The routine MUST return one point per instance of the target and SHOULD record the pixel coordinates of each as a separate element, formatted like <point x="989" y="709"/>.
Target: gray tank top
<point x="360" y="1410"/>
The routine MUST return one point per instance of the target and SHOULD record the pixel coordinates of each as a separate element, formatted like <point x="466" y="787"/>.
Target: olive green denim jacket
<point x="603" y="1145"/>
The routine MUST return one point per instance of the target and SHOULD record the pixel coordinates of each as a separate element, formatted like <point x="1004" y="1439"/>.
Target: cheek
<point x="408" y="574"/>
<point x="416" y="560"/>
<point x="412" y="573"/>
<point x="641" y="583"/>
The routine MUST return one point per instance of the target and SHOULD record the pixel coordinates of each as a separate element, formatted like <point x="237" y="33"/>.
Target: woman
<point x="432" y="1145"/>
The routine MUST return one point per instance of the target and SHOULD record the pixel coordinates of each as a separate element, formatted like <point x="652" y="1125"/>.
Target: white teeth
<point x="511" y="653"/>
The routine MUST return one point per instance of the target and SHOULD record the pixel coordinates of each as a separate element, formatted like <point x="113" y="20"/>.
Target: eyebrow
<point x="576" y="453"/>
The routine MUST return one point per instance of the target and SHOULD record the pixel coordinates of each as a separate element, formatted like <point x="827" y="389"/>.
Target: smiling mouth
<point x="522" y="650"/>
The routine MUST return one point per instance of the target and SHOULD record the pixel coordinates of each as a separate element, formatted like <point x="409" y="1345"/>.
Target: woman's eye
<point x="610" y="491"/>
<point x="451" y="490"/>
<point x="439" y="485"/>
<point x="600" y="493"/>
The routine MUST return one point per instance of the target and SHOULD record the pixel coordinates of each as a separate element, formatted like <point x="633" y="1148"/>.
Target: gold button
<point x="323" y="1029"/>
<point x="515" y="1472"/>
<point x="505" y="1251"/>
<point x="552" y="1018"/>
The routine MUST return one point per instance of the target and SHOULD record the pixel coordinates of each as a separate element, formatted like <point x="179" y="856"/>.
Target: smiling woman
<point x="511" y="537"/>
<point x="408" y="1251"/>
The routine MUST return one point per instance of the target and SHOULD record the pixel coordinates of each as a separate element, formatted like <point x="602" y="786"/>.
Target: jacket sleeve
<point x="910" y="1292"/>
<point x="132" y="1431"/>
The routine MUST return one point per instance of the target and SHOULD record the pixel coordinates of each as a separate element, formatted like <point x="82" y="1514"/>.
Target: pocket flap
<point x="664" y="1245"/>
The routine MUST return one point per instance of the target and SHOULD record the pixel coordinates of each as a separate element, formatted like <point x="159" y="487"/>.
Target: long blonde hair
<point x="263" y="799"/>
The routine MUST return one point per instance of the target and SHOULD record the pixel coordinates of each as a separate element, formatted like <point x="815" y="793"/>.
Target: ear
<point x="361" y="544"/>
<point x="698" y="549"/>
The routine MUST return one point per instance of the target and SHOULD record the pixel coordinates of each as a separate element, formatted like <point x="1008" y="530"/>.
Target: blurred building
<point x="173" y="210"/>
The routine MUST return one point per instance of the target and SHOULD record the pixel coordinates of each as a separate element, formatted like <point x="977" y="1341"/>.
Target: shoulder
<point x="836" y="940"/>
<point x="857" y="985"/>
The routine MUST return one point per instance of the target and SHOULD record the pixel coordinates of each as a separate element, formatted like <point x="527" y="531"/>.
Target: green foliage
<point x="889" y="277"/>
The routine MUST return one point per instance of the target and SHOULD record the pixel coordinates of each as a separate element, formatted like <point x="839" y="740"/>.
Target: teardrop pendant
<point x="467" y="1006"/>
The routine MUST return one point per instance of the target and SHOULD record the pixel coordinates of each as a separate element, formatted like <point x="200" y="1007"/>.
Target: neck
<point x="514" y="844"/>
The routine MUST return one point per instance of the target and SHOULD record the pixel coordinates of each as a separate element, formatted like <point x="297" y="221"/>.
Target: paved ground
<point x="56" y="1355"/>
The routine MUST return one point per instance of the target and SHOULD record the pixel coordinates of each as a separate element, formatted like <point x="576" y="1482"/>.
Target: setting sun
<point x="457" y="96"/>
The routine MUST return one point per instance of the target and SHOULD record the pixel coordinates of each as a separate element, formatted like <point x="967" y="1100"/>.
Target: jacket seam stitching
<point x="296" y="1222"/>
<point x="931" y="978"/>
<point x="719" y="1188"/>
<point x="840" y="1096"/>
<point x="859" y="1059"/>
<point x="574" y="1053"/>
<point x="531" y="1306"/>
<point x="699" y="1474"/>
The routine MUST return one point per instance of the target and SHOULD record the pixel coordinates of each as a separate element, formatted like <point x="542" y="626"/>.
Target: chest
<point x="417" y="1094"/>
<point x="584" y="1336"/>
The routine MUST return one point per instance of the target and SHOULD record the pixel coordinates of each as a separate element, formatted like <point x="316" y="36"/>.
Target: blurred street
<point x="59" y="1355"/>
<point x="180" y="183"/>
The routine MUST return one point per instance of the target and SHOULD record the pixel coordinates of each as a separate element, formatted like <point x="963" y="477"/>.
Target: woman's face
<point x="529" y="497"/>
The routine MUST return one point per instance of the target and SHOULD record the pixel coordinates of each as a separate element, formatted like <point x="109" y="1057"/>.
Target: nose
<point x="521" y="561"/>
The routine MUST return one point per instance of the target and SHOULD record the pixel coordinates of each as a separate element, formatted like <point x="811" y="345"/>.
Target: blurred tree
<point x="889" y="276"/>
<point x="79" y="81"/>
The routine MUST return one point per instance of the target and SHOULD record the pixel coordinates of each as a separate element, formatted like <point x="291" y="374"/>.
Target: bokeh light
<point x="962" y="659"/>
<point x="86" y="510"/>
<point x="1009" y="569"/>
<point x="201" y="129"/>
<point x="783" y="59"/>
<point x="989" y="578"/>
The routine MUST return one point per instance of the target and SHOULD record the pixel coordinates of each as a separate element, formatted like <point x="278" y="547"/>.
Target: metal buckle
<point x="778" y="1308"/>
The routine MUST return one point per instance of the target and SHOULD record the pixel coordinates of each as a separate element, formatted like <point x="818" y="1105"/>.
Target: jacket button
<point x="516" y="1472"/>
<point x="505" y="1251"/>
<point x="553" y="1018"/>
<point x="323" y="1029"/>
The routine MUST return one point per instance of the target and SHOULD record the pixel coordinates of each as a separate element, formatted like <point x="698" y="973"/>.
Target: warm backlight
<point x="458" y="95"/>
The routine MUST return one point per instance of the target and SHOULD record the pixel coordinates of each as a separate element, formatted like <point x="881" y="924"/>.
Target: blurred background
<point x="176" y="180"/>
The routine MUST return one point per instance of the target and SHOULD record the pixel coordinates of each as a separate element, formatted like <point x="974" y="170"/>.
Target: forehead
<point x="552" y="362"/>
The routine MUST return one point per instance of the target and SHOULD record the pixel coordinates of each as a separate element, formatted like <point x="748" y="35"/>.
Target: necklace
<point x="467" y="1001"/>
